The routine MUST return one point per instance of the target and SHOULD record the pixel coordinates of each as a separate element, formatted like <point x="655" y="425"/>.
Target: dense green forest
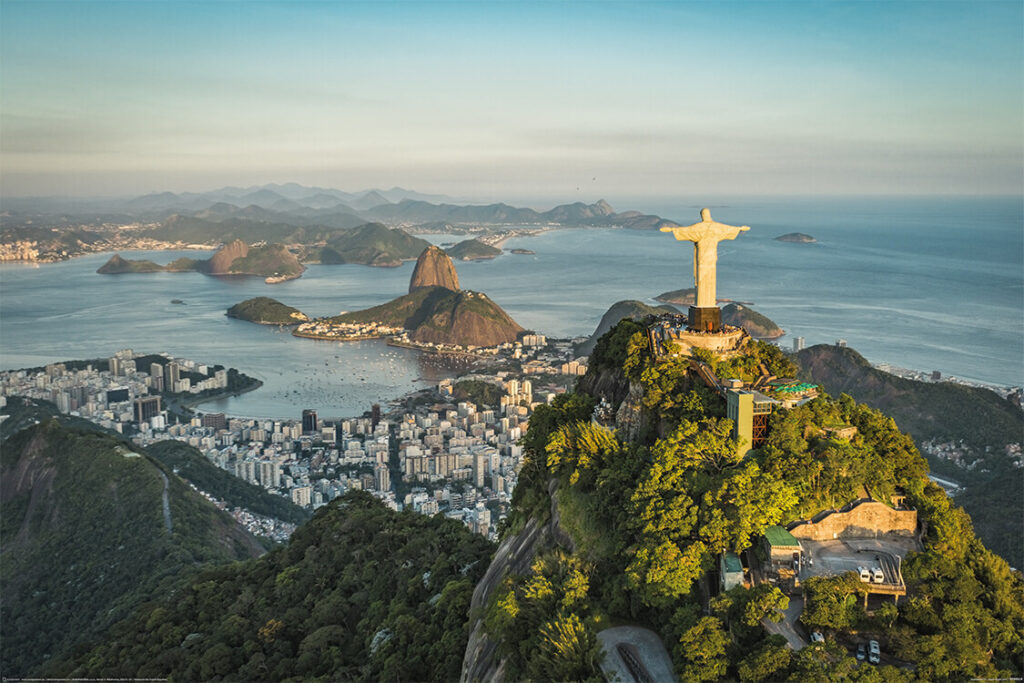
<point x="648" y="517"/>
<point x="84" y="537"/>
<point x="359" y="593"/>
<point x="945" y="412"/>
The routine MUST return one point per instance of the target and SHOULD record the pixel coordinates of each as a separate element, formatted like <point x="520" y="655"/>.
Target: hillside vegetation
<point x="266" y="311"/>
<point x="943" y="412"/>
<point x="359" y="593"/>
<point x="85" y="538"/>
<point x="647" y="518"/>
<point x="473" y="250"/>
<point x="372" y="244"/>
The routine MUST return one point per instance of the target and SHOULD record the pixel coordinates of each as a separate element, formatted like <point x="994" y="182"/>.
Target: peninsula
<point x="434" y="315"/>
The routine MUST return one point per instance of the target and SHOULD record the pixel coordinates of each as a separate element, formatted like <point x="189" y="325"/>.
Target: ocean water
<point x="923" y="284"/>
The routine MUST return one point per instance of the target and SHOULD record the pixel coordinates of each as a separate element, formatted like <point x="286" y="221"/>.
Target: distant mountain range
<point x="310" y="207"/>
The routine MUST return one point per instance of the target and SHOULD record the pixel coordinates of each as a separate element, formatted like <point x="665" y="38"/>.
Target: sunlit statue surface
<point x="705" y="237"/>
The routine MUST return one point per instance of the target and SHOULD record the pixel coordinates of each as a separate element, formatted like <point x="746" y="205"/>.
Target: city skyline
<point x="523" y="102"/>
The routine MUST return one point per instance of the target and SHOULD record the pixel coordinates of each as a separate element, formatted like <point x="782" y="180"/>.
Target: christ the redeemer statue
<point x="705" y="236"/>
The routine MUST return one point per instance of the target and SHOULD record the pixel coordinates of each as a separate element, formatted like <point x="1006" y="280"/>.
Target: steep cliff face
<point x="514" y="556"/>
<point x="220" y="263"/>
<point x="434" y="268"/>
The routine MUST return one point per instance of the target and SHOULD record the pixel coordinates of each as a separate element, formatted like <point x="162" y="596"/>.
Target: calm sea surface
<point x="923" y="284"/>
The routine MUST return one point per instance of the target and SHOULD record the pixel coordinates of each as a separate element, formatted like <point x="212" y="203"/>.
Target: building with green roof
<point x="730" y="569"/>
<point x="780" y="545"/>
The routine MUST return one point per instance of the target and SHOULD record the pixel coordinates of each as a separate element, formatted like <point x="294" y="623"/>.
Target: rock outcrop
<point x="515" y="554"/>
<point x="441" y="316"/>
<point x="434" y="268"/>
<point x="220" y="262"/>
<point x="466" y="318"/>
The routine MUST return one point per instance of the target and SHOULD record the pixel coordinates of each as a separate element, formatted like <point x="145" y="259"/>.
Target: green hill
<point x="360" y="593"/>
<point x="267" y="260"/>
<point x="626" y="527"/>
<point x="473" y="250"/>
<point x="927" y="410"/>
<point x="266" y="311"/>
<point x="442" y="316"/>
<point x="372" y="244"/>
<point x="756" y="325"/>
<point x="90" y="529"/>
<point x="943" y="412"/>
<point x="117" y="265"/>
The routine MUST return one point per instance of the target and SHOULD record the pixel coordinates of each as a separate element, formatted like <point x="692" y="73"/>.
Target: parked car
<point x="874" y="653"/>
<point x="816" y="637"/>
<point x="862" y="652"/>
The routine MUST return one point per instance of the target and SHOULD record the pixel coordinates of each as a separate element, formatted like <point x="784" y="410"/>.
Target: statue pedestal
<point x="705" y="319"/>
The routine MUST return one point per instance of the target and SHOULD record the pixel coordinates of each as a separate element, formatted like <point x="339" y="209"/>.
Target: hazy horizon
<point x="532" y="101"/>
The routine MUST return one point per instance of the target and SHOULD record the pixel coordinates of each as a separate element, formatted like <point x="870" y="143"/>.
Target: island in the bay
<point x="797" y="237"/>
<point x="266" y="311"/>
<point x="271" y="261"/>
<point x="473" y="250"/>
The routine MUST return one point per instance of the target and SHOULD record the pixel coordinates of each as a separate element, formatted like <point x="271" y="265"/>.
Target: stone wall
<point x="867" y="519"/>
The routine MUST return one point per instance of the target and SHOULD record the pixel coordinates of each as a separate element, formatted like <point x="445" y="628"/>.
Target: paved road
<point x="167" y="505"/>
<point x="788" y="628"/>
<point x="649" y="648"/>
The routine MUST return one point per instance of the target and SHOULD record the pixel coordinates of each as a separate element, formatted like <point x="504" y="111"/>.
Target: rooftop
<point x="780" y="538"/>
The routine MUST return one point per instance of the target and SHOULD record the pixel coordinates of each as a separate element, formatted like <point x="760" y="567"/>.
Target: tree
<point x="832" y="602"/>
<point x="700" y="653"/>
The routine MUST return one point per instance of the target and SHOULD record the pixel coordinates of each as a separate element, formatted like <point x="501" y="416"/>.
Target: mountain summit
<point x="434" y="268"/>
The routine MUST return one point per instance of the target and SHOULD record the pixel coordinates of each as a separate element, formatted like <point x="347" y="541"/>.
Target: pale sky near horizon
<point x="500" y="100"/>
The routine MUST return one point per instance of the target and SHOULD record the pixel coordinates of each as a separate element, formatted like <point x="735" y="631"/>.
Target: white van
<point x="865" y="575"/>
<point x="877" y="575"/>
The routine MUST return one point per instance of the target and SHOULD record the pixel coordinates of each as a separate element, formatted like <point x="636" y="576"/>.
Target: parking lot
<point x="831" y="558"/>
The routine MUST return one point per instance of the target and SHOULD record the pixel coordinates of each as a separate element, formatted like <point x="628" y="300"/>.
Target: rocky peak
<point x="220" y="263"/>
<point x="434" y="268"/>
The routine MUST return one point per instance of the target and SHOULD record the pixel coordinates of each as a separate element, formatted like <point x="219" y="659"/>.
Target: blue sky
<point x="513" y="100"/>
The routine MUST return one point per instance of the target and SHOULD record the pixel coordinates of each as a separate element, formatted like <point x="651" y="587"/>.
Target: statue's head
<point x="705" y="215"/>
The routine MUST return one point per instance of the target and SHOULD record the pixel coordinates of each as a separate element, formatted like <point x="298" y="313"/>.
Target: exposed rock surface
<point x="220" y="262"/>
<point x="442" y="316"/>
<point x="515" y="554"/>
<point x="467" y="318"/>
<point x="434" y="268"/>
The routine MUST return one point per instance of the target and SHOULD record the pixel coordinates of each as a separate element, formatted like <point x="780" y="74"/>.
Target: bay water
<point x="927" y="284"/>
